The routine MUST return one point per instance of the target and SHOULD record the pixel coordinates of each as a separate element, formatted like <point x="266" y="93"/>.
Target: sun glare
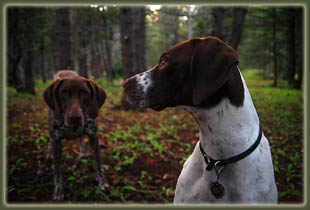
<point x="154" y="7"/>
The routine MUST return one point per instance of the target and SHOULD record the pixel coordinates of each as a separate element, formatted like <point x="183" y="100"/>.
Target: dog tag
<point x="217" y="190"/>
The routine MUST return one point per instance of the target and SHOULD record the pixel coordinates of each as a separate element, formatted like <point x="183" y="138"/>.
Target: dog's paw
<point x="58" y="194"/>
<point x="84" y="156"/>
<point x="103" y="184"/>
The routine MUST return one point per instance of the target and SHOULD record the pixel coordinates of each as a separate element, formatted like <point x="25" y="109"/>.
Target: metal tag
<point x="217" y="190"/>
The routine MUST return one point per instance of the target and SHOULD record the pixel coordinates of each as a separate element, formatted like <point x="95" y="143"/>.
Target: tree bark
<point x="42" y="62"/>
<point x="28" y="59"/>
<point x="108" y="36"/>
<point x="190" y="27"/>
<point x="175" y="29"/>
<point x="239" y="14"/>
<point x="127" y="47"/>
<point x="14" y="51"/>
<point x="132" y="43"/>
<point x="81" y="23"/>
<point x="95" y="64"/>
<point x="139" y="41"/>
<point x="300" y="48"/>
<point x="291" y="50"/>
<point x="218" y="14"/>
<point x="190" y="22"/>
<point x="274" y="47"/>
<point x="64" y="42"/>
<point x="127" y="41"/>
<point x="82" y="54"/>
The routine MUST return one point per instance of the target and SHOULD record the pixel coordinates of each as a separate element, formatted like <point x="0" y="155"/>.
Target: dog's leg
<point x="58" y="180"/>
<point x="103" y="183"/>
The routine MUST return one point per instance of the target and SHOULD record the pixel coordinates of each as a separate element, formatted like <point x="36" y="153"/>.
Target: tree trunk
<point x="42" y="63"/>
<point x="274" y="47"/>
<point x="64" y="42"/>
<point x="139" y="41"/>
<point x="239" y="14"/>
<point x="127" y="41"/>
<point x="82" y="26"/>
<point x="95" y="64"/>
<point x="218" y="14"/>
<point x="108" y="50"/>
<point x="82" y="54"/>
<point x="127" y="47"/>
<point x="190" y="22"/>
<point x="190" y="27"/>
<point x="132" y="43"/>
<point x="175" y="29"/>
<point x="298" y="83"/>
<point x="28" y="59"/>
<point x="291" y="50"/>
<point x="98" y="53"/>
<point x="300" y="48"/>
<point x="14" y="51"/>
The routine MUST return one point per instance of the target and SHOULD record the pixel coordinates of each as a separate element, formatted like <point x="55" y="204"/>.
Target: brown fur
<point x="197" y="72"/>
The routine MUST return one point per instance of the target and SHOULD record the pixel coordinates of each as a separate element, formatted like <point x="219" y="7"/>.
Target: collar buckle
<point x="219" y="164"/>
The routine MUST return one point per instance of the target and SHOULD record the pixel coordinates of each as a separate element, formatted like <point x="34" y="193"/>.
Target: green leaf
<point x="129" y="187"/>
<point x="117" y="168"/>
<point x="282" y="194"/>
<point x="71" y="178"/>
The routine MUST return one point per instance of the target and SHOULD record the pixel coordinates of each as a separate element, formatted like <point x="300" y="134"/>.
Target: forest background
<point x="143" y="151"/>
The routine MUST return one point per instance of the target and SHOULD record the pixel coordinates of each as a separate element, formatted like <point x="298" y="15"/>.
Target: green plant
<point x="41" y="141"/>
<point x="16" y="166"/>
<point x="154" y="142"/>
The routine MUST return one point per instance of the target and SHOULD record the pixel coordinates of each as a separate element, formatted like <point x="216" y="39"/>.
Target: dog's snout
<point x="129" y="81"/>
<point x="124" y="83"/>
<point x="75" y="118"/>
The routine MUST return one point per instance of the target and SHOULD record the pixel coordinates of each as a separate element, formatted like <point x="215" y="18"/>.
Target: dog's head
<point x="74" y="98"/>
<point x="193" y="72"/>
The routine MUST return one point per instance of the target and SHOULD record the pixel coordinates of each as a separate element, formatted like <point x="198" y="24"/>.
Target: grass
<point x="142" y="152"/>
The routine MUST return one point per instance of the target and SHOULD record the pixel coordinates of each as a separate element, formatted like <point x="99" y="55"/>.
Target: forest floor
<point x="142" y="152"/>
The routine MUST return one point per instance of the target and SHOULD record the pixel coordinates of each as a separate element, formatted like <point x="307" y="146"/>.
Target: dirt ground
<point x="30" y="175"/>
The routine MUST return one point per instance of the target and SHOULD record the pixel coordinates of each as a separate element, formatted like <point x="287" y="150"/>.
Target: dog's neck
<point x="226" y="130"/>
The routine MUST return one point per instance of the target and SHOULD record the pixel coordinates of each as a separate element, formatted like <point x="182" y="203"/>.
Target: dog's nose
<point x="124" y="83"/>
<point x="75" y="118"/>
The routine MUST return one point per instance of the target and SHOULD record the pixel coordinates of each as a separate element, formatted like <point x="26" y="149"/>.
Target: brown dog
<point x="74" y="103"/>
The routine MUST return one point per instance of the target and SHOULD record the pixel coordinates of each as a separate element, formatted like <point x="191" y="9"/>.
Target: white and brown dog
<point x="232" y="161"/>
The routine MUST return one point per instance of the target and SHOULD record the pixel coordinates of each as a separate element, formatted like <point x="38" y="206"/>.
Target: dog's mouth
<point x="142" y="103"/>
<point x="74" y="126"/>
<point x="136" y="97"/>
<point x="137" y="100"/>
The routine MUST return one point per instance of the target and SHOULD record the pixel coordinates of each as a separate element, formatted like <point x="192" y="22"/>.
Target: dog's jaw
<point x="137" y="88"/>
<point x="144" y="81"/>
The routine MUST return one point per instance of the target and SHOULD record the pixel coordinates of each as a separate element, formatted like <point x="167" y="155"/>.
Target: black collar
<point x="222" y="162"/>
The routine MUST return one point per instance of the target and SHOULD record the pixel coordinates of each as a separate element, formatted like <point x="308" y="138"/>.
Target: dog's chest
<point x="245" y="181"/>
<point x="60" y="131"/>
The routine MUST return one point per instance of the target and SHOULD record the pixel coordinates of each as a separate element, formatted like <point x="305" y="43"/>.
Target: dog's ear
<point x="98" y="97"/>
<point x="235" y="88"/>
<point x="210" y="66"/>
<point x="51" y="96"/>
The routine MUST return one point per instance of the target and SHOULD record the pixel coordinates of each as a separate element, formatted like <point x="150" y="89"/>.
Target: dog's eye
<point x="162" y="64"/>
<point x="162" y="60"/>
